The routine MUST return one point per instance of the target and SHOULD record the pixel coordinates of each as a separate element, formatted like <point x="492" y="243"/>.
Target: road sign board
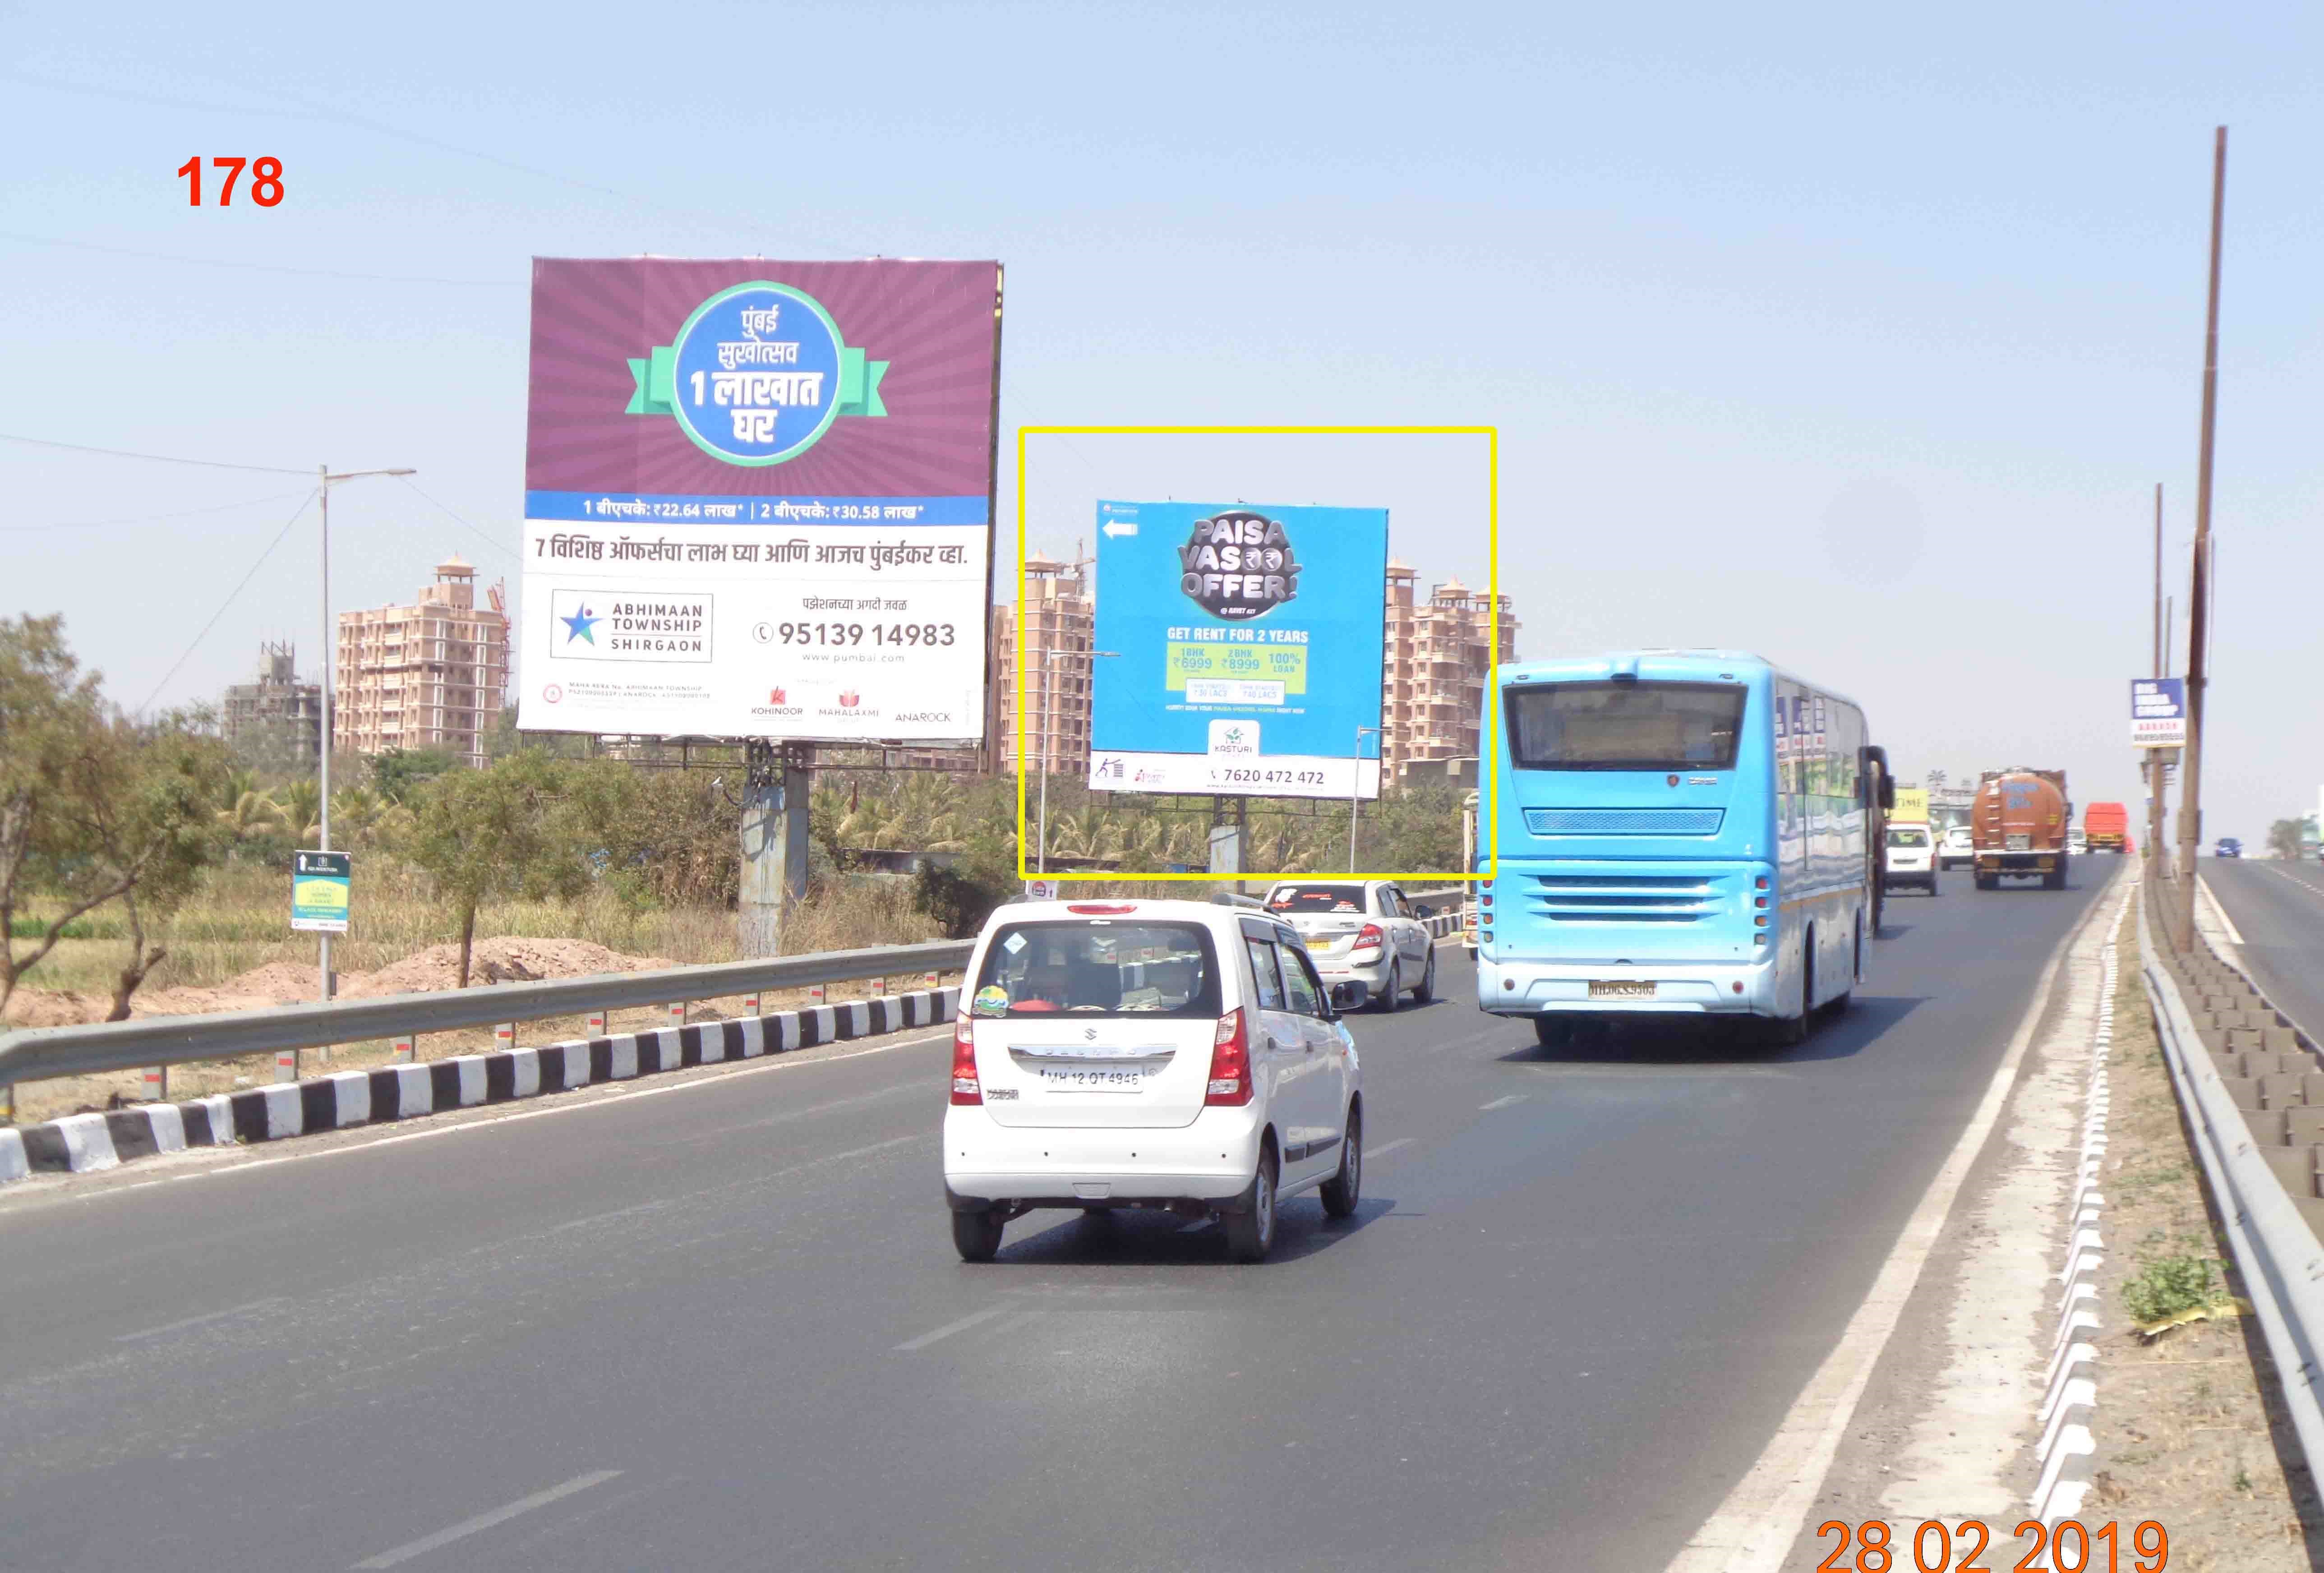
<point x="2158" y="712"/>
<point x="319" y="882"/>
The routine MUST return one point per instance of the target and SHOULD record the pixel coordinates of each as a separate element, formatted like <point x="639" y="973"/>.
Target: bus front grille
<point x="1627" y="898"/>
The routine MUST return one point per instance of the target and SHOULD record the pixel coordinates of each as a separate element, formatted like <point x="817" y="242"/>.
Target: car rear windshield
<point x="1298" y="898"/>
<point x="1908" y="838"/>
<point x="1098" y="966"/>
<point x="1624" y="726"/>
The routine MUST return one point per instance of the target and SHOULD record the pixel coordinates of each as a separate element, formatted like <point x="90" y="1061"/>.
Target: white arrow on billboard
<point x="1117" y="527"/>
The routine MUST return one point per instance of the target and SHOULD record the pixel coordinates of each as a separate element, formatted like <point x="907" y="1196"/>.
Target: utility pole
<point x="1355" y="787"/>
<point x="2154" y="769"/>
<point x="330" y="639"/>
<point x="2190" y="801"/>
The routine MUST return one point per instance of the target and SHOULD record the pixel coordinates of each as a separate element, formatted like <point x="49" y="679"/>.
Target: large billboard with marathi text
<point x="758" y="498"/>
<point x="1244" y="648"/>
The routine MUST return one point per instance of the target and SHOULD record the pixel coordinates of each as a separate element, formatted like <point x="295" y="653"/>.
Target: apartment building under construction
<point x="1439" y="654"/>
<point x="433" y="674"/>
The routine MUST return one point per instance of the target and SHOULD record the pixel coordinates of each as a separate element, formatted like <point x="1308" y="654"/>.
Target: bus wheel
<point x="1794" y="1029"/>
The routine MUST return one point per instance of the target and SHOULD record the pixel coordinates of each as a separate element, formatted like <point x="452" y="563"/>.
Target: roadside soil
<point x="436" y="968"/>
<point x="2189" y="1427"/>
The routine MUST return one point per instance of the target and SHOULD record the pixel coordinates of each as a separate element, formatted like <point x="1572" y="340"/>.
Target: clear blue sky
<point x="1856" y="337"/>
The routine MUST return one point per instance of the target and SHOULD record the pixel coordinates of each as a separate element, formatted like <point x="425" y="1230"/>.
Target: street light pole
<point x="330" y="637"/>
<point x="1355" y="789"/>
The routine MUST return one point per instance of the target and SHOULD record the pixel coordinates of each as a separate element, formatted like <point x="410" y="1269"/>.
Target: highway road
<point x="2279" y="910"/>
<point x="724" y="1328"/>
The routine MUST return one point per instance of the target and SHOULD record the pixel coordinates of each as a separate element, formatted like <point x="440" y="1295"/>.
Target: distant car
<point x="1957" y="848"/>
<point x="1364" y="930"/>
<point x="1173" y="1054"/>
<point x="1910" y="858"/>
<point x="2078" y="842"/>
<point x="2229" y="847"/>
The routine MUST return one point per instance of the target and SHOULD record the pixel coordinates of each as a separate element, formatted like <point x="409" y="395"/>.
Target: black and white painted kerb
<point x="85" y="1142"/>
<point x="2067" y="1451"/>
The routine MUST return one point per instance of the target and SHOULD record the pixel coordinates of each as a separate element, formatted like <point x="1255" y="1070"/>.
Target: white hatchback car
<point x="1169" y="1055"/>
<point x="1958" y="849"/>
<point x="1910" y="858"/>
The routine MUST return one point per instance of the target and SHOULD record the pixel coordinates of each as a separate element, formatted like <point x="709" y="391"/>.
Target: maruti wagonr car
<point x="1169" y="1054"/>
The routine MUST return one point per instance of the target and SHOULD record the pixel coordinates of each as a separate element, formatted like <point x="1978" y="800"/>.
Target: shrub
<point x="2165" y="1287"/>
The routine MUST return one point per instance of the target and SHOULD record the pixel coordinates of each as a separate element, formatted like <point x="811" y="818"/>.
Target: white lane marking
<point x="1755" y="1526"/>
<point x="961" y="1326"/>
<point x="1389" y="1146"/>
<point x="617" y="1093"/>
<point x="1503" y="1102"/>
<point x="484" y="1521"/>
<point x="198" y="1320"/>
<point x="2234" y="936"/>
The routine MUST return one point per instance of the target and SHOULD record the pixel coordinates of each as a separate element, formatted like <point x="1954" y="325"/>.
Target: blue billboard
<point x="1244" y="649"/>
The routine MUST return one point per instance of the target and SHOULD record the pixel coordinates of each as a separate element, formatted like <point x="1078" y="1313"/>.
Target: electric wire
<point x="240" y="585"/>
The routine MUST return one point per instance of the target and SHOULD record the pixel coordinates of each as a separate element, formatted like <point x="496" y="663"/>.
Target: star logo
<point x="580" y="626"/>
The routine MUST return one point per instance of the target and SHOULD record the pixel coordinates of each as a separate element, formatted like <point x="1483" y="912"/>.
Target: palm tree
<point x="300" y="803"/>
<point x="251" y="814"/>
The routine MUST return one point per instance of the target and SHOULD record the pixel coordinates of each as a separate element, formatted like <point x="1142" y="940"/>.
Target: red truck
<point x="2017" y="827"/>
<point x="2105" y="827"/>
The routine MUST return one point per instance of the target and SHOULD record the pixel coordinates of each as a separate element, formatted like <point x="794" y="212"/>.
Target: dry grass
<point x="2184" y="1433"/>
<point x="240" y="922"/>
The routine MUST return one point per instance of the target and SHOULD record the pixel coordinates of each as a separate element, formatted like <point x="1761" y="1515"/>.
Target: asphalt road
<point x="2279" y="908"/>
<point x="726" y="1328"/>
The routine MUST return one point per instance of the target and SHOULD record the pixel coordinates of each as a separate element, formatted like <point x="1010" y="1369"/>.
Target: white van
<point x="1170" y="1054"/>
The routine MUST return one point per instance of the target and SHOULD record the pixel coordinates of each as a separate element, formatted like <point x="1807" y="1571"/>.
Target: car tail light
<point x="965" y="1086"/>
<point x="1100" y="908"/>
<point x="1230" y="1062"/>
<point x="1371" y="937"/>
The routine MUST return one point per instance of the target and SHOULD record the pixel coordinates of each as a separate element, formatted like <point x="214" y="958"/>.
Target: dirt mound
<point x="495" y="961"/>
<point x="30" y="1007"/>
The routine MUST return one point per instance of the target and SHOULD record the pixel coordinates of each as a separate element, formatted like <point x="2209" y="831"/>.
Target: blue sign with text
<point x="1246" y="649"/>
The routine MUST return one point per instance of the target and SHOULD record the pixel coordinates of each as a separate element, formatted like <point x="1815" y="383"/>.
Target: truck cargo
<point x="2017" y="827"/>
<point x="2105" y="827"/>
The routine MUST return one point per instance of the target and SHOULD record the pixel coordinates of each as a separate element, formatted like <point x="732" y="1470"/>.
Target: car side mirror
<point x="1887" y="792"/>
<point x="1349" y="996"/>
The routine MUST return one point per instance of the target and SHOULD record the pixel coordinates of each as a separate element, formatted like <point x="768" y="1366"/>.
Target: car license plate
<point x="1621" y="989"/>
<point x="1094" y="1078"/>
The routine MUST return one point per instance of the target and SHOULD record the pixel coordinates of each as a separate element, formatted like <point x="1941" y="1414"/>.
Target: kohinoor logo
<point x="774" y="696"/>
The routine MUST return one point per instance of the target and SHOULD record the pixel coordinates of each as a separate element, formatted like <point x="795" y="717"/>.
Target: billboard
<point x="758" y="498"/>
<point x="1245" y="647"/>
<point x="1912" y="805"/>
<point x="2158" y="712"/>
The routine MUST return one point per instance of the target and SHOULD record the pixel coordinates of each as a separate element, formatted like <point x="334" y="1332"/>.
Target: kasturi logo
<point x="757" y="375"/>
<point x="1238" y="565"/>
<point x="551" y="694"/>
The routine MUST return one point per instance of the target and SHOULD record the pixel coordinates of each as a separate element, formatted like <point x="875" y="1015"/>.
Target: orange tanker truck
<point x="2017" y="827"/>
<point x="2105" y="827"/>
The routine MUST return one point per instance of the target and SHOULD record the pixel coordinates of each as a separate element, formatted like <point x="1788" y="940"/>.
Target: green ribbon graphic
<point x="656" y="383"/>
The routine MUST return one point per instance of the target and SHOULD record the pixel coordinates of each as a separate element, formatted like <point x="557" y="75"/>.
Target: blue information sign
<point x="1247" y="644"/>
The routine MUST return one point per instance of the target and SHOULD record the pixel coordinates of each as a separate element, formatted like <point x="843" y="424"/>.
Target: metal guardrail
<point x="2279" y="1256"/>
<point x="39" y="1054"/>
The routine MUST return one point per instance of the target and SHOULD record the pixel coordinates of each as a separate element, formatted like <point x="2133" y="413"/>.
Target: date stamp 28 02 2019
<point x="2071" y="1547"/>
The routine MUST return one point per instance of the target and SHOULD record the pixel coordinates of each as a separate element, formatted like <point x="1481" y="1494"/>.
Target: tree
<point x="398" y="773"/>
<point x="2284" y="839"/>
<point x="93" y="807"/>
<point x="513" y="828"/>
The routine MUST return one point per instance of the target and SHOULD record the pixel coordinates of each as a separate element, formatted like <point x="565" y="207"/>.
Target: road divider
<point x="84" y="1143"/>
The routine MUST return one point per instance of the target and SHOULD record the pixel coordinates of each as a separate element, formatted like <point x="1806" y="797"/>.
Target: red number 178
<point x="265" y="179"/>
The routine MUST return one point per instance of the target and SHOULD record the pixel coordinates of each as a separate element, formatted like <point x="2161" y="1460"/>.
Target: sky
<point x="1857" y="338"/>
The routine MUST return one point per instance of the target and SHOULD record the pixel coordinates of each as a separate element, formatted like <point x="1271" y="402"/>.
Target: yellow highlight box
<point x="1488" y="789"/>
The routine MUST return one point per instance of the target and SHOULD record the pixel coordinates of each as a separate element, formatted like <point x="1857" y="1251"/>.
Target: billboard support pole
<point x="2190" y="783"/>
<point x="774" y="844"/>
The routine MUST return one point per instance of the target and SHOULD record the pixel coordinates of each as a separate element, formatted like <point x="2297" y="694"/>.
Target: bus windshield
<point x="1624" y="726"/>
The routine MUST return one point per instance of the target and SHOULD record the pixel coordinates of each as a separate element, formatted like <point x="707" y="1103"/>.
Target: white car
<point x="1171" y="1055"/>
<point x="1958" y="849"/>
<point x="2078" y="842"/>
<point x="1910" y="858"/>
<point x="1362" y="930"/>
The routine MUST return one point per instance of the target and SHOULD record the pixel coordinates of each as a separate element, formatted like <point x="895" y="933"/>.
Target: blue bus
<point x="1678" y="831"/>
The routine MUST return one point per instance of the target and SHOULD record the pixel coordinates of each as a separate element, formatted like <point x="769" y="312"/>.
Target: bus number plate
<point x="1621" y="988"/>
